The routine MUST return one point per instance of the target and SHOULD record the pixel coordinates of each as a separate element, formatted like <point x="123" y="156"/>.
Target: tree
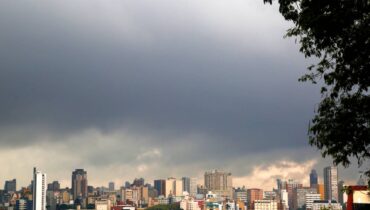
<point x="337" y="33"/>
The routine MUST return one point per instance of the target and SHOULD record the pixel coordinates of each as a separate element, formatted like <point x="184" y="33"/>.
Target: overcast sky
<point x="153" y="89"/>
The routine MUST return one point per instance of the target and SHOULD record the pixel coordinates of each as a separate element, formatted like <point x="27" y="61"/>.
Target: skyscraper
<point x="173" y="187"/>
<point x="291" y="187"/>
<point x="111" y="186"/>
<point x="331" y="183"/>
<point x="79" y="183"/>
<point x="193" y="186"/>
<point x="39" y="190"/>
<point x="313" y="179"/>
<point x="189" y="185"/>
<point x="10" y="185"/>
<point x="186" y="184"/>
<point x="160" y="186"/>
<point x="219" y="182"/>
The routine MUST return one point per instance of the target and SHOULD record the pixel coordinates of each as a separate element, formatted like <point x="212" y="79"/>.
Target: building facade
<point x="253" y="195"/>
<point x="39" y="190"/>
<point x="10" y="185"/>
<point x="324" y="204"/>
<point x="160" y="186"/>
<point x="265" y="205"/>
<point x="313" y="178"/>
<point x="79" y="183"/>
<point x="310" y="198"/>
<point x="219" y="182"/>
<point x="331" y="183"/>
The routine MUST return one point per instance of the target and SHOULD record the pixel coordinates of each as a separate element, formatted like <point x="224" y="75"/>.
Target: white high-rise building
<point x="331" y="183"/>
<point x="173" y="187"/>
<point x="284" y="198"/>
<point x="39" y="190"/>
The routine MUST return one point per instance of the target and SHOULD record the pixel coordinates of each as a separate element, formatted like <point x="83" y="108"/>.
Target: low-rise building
<point x="322" y="204"/>
<point x="265" y="205"/>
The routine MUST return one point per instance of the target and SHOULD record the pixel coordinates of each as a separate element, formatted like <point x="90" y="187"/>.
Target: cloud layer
<point x="151" y="88"/>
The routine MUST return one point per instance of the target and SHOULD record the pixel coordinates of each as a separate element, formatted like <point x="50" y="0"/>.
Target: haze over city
<point x="154" y="89"/>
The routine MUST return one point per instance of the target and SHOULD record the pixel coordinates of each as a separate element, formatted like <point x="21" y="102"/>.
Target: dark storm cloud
<point x="67" y="67"/>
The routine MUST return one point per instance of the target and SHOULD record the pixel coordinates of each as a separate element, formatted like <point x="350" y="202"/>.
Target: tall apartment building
<point x="301" y="195"/>
<point x="219" y="182"/>
<point x="10" y="185"/>
<point x="193" y="186"/>
<point x="284" y="198"/>
<point x="313" y="178"/>
<point x="189" y="185"/>
<point x="331" y="183"/>
<point x="79" y="183"/>
<point x="173" y="187"/>
<point x="111" y="186"/>
<point x="186" y="184"/>
<point x="160" y="186"/>
<point x="291" y="187"/>
<point x="253" y="195"/>
<point x="39" y="190"/>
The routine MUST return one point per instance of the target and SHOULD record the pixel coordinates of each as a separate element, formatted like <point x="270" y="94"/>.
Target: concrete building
<point x="265" y="205"/>
<point x="10" y="185"/>
<point x="51" y="199"/>
<point x="331" y="183"/>
<point x="313" y="178"/>
<point x="54" y="186"/>
<point x="324" y="204"/>
<point x="138" y="182"/>
<point x="193" y="186"/>
<point x="253" y="195"/>
<point x="269" y="195"/>
<point x="291" y="187"/>
<point x="103" y="204"/>
<point x="240" y="194"/>
<point x="189" y="203"/>
<point x="39" y="190"/>
<point x="219" y="182"/>
<point x="186" y="184"/>
<point x="310" y="198"/>
<point x="173" y="187"/>
<point x="301" y="195"/>
<point x="79" y="183"/>
<point x="111" y="186"/>
<point x="284" y="198"/>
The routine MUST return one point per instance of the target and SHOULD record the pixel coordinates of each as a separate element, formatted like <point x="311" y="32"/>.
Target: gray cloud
<point x="197" y="81"/>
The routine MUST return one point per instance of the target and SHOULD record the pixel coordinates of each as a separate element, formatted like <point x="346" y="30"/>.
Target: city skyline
<point x="133" y="89"/>
<point x="216" y="181"/>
